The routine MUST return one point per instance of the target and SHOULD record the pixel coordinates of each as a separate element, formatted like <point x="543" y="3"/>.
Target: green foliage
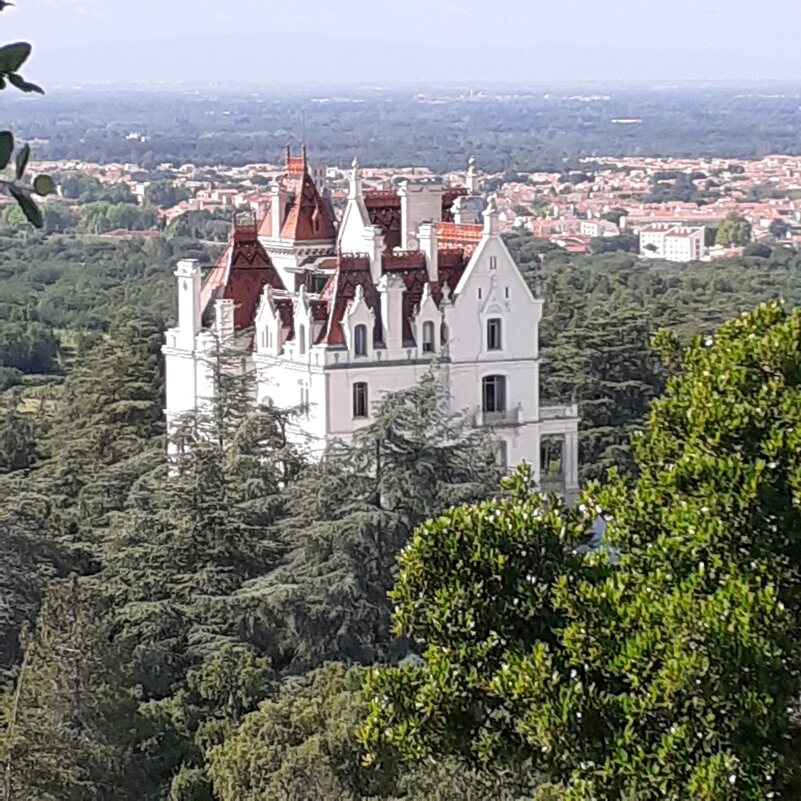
<point x="69" y="736"/>
<point x="201" y="225"/>
<point x="475" y="595"/>
<point x="348" y="517"/>
<point x="12" y="57"/>
<point x="299" y="746"/>
<point x="302" y="746"/>
<point x="669" y="671"/>
<point x="164" y="194"/>
<point x="88" y="189"/>
<point x="102" y="217"/>
<point x="779" y="228"/>
<point x="734" y="231"/>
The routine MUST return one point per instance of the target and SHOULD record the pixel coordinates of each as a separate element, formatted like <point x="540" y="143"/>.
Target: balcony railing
<point x="558" y="411"/>
<point x="509" y="417"/>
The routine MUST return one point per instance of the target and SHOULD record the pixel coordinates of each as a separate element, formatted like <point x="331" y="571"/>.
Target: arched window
<point x="302" y="340"/>
<point x="360" y="340"/>
<point x="494" y="394"/>
<point x="360" y="399"/>
<point x="494" y="341"/>
<point x="428" y="337"/>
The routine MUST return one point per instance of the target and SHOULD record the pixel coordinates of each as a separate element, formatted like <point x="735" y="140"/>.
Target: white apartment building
<point x="331" y="315"/>
<point x="673" y="242"/>
<point x="598" y="228"/>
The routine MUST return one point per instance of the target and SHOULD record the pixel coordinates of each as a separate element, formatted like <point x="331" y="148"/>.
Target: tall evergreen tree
<point x="67" y="733"/>
<point x="350" y="516"/>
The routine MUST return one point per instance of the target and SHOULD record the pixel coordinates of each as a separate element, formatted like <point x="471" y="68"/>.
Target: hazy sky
<point x="380" y="42"/>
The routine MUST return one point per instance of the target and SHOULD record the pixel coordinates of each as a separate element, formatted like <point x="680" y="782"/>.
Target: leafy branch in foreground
<point x="12" y="57"/>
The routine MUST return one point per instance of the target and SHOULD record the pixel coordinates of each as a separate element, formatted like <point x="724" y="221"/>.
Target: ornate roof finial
<point x="472" y="177"/>
<point x="355" y="182"/>
<point x="491" y="216"/>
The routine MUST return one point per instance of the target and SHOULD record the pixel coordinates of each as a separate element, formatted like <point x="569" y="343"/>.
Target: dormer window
<point x="494" y="334"/>
<point x="428" y="337"/>
<point x="360" y="340"/>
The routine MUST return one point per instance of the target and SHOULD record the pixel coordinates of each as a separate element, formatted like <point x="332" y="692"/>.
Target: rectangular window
<point x="360" y="399"/>
<point x="494" y="394"/>
<point x="304" y="400"/>
<point x="494" y="334"/>
<point x="493" y="262"/>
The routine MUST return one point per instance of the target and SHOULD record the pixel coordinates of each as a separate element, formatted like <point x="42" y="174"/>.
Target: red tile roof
<point x="241" y="273"/>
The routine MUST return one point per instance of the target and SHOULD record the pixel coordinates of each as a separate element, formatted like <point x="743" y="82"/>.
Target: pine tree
<point x="195" y="530"/>
<point x="70" y="715"/>
<point x="607" y="366"/>
<point x="350" y="516"/>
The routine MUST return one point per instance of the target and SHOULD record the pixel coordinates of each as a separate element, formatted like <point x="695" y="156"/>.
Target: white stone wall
<point x="318" y="381"/>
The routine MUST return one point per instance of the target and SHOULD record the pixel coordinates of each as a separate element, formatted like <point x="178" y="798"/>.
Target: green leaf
<point x="29" y="208"/>
<point x="23" y="85"/>
<point x="22" y="160"/>
<point x="44" y="185"/>
<point x="13" y="56"/>
<point x="6" y="148"/>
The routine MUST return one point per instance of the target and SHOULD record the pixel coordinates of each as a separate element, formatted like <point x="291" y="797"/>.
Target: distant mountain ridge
<point x="299" y="58"/>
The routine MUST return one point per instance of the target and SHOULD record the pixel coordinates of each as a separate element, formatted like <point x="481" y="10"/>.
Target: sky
<point x="268" y="42"/>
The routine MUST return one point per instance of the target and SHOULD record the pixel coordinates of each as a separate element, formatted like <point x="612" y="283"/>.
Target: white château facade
<point x="333" y="314"/>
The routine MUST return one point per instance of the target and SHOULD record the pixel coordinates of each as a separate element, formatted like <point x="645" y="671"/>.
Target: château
<point x="330" y="314"/>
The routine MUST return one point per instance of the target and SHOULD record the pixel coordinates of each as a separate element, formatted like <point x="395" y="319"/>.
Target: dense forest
<point x="203" y="630"/>
<point x="512" y="128"/>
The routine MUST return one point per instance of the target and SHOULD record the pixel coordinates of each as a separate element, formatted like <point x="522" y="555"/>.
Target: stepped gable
<point x="384" y="210"/>
<point x="241" y="273"/>
<point x="310" y="217"/>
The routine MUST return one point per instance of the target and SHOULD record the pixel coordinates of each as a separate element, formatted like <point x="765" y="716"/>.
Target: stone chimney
<point x="277" y="206"/>
<point x="187" y="272"/>
<point x="429" y="244"/>
<point x="391" y="288"/>
<point x="374" y="247"/>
